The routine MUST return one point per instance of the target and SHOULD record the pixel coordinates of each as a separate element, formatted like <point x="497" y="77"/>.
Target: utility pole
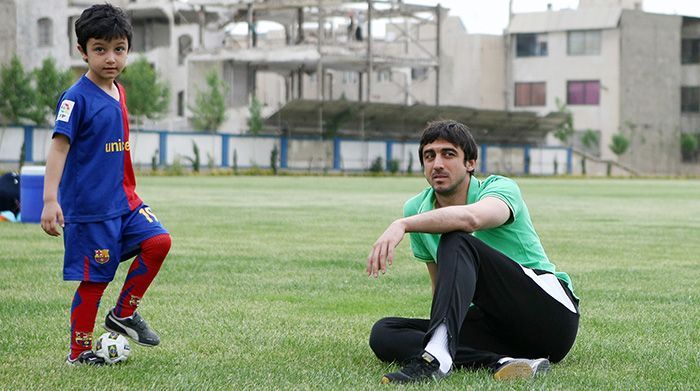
<point x="370" y="62"/>
<point x="438" y="36"/>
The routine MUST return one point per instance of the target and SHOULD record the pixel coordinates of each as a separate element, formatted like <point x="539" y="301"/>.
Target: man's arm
<point x="56" y="160"/>
<point x="489" y="212"/>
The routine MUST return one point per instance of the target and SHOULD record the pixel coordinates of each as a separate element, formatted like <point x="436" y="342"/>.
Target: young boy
<point x="89" y="171"/>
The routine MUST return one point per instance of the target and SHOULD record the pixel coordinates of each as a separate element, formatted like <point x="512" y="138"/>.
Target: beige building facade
<point x="617" y="69"/>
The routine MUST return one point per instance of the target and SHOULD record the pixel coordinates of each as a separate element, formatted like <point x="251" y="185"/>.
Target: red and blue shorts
<point x="94" y="250"/>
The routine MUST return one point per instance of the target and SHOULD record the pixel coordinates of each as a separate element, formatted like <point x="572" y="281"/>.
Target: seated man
<point x="498" y="302"/>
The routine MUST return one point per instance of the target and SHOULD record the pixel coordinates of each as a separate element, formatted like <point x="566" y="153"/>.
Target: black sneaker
<point x="134" y="327"/>
<point x="521" y="368"/>
<point x="420" y="368"/>
<point x="87" y="357"/>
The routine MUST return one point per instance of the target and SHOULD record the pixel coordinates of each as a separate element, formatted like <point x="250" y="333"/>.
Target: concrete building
<point x="619" y="70"/>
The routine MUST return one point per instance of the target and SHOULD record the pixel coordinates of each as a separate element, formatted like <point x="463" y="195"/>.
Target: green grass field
<point x="265" y="288"/>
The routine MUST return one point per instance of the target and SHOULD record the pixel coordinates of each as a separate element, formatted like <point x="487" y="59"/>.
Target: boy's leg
<point x="82" y="316"/>
<point x="90" y="250"/>
<point x="141" y="273"/>
<point x="144" y="236"/>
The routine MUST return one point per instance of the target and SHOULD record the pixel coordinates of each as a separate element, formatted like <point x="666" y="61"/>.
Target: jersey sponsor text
<point x="117" y="146"/>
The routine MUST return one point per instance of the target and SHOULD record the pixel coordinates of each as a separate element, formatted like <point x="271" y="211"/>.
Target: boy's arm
<point x="55" y="162"/>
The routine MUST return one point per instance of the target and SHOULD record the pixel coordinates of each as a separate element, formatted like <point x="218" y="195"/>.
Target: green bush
<point x="273" y="159"/>
<point x="196" y="161"/>
<point x="394" y="166"/>
<point x="377" y="165"/>
<point x="689" y="146"/>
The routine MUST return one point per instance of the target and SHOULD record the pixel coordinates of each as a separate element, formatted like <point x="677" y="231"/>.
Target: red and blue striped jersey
<point x="98" y="178"/>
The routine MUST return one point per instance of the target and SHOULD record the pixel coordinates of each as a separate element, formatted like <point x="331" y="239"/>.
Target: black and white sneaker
<point x="87" y="357"/>
<point x="521" y="368"/>
<point x="134" y="327"/>
<point x="420" y="368"/>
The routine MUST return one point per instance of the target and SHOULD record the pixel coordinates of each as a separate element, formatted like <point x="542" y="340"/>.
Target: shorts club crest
<point x="102" y="256"/>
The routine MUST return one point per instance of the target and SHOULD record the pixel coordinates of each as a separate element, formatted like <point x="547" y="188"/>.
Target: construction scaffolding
<point x="322" y="35"/>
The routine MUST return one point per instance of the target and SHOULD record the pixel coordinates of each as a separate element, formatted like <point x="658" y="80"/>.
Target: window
<point x="690" y="99"/>
<point x="530" y="94"/>
<point x="419" y="73"/>
<point x="45" y="27"/>
<point x="585" y="42"/>
<point x="349" y="77"/>
<point x="529" y="45"/>
<point x="181" y="103"/>
<point x="384" y="75"/>
<point x="690" y="51"/>
<point x="184" y="47"/>
<point x="585" y="92"/>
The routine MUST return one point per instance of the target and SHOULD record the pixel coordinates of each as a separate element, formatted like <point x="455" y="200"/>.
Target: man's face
<point x="106" y="59"/>
<point x="444" y="166"/>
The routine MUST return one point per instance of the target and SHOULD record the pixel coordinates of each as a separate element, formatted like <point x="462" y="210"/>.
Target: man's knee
<point x="455" y="238"/>
<point x="455" y="242"/>
<point x="379" y="336"/>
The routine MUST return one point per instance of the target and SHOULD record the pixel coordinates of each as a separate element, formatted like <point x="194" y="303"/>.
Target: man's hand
<point x="383" y="249"/>
<point x="50" y="215"/>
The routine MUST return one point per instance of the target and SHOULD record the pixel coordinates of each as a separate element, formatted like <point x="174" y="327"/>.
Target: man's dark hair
<point x="102" y="21"/>
<point x="450" y="131"/>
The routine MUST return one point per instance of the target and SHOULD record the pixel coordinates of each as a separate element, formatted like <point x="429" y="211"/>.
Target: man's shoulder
<point x="413" y="205"/>
<point x="498" y="182"/>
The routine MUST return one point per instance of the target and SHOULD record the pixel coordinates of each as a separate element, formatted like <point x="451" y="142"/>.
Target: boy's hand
<point x="52" y="214"/>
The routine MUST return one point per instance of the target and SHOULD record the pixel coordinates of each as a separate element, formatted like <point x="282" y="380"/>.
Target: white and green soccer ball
<point x="113" y="347"/>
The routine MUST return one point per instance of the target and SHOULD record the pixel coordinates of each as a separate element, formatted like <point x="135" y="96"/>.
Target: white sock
<point x="504" y="359"/>
<point x="437" y="347"/>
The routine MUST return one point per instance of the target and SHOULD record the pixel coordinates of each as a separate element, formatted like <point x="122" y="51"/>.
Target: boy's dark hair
<point x="102" y="21"/>
<point x="450" y="131"/>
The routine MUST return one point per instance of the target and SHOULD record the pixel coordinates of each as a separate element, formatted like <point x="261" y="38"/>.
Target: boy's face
<point x="106" y="59"/>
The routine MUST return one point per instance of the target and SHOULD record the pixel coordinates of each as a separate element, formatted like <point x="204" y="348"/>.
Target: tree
<point x="147" y="96"/>
<point x="210" y="106"/>
<point x="255" y="120"/>
<point x="589" y="139"/>
<point x="16" y="93"/>
<point x="618" y="146"/>
<point x="50" y="82"/>
<point x="566" y="130"/>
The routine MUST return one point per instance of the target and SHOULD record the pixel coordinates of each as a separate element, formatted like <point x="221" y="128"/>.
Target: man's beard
<point x="450" y="190"/>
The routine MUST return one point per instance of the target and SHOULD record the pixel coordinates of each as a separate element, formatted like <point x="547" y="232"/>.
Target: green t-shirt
<point x="516" y="238"/>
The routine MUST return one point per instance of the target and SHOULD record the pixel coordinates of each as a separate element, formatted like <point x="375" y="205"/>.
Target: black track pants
<point x="511" y="316"/>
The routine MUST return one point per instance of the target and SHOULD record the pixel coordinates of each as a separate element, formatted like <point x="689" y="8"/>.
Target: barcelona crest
<point x="83" y="339"/>
<point x="102" y="256"/>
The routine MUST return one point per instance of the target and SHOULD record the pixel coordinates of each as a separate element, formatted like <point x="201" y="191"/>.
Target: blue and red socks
<point x="141" y="273"/>
<point x="82" y="316"/>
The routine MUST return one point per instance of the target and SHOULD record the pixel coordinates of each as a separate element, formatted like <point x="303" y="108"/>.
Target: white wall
<point x="11" y="143"/>
<point x="359" y="155"/>
<point x="558" y="67"/>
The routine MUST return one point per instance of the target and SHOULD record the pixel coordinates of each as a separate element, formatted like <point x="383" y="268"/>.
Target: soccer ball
<point x="113" y="347"/>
